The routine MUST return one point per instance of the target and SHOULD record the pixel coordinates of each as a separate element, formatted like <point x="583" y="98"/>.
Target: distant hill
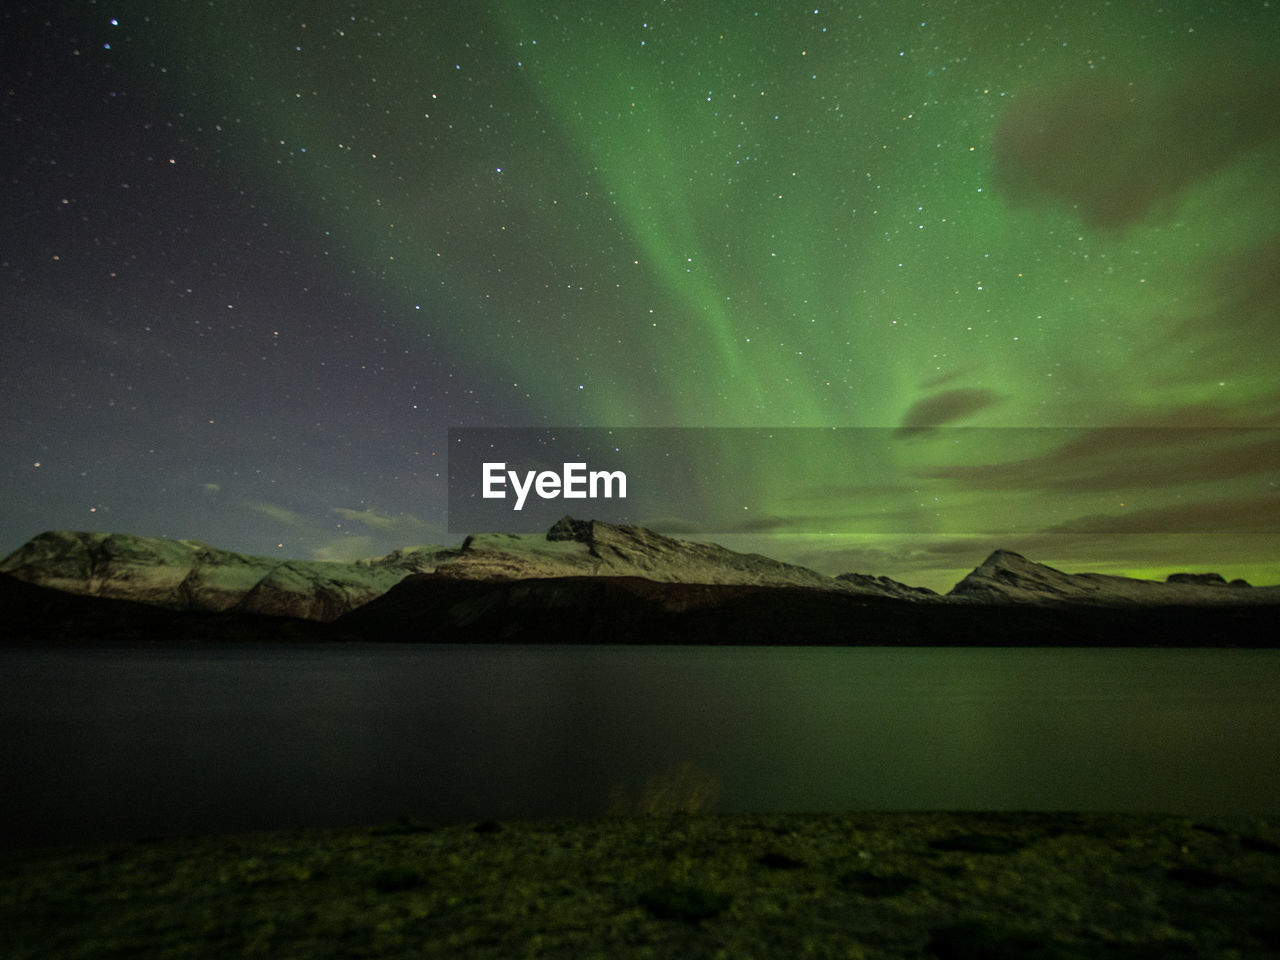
<point x="190" y="575"/>
<point x="1007" y="577"/>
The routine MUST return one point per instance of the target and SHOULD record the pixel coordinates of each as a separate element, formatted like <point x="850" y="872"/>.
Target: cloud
<point x="1259" y="514"/>
<point x="945" y="407"/>
<point x="345" y="550"/>
<point x="1232" y="327"/>
<point x="671" y="525"/>
<point x="944" y="378"/>
<point x="1122" y="458"/>
<point x="276" y="513"/>
<point x="372" y="519"/>
<point x="1114" y="149"/>
<point x="1248" y="281"/>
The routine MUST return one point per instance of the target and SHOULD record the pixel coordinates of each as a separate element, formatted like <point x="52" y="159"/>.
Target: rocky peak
<point x="1008" y="577"/>
<point x="575" y="547"/>
<point x="567" y="528"/>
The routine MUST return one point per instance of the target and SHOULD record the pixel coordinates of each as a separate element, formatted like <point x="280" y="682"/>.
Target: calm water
<point x="129" y="743"/>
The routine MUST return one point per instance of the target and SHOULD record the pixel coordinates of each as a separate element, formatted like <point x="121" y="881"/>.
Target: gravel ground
<point x="860" y="885"/>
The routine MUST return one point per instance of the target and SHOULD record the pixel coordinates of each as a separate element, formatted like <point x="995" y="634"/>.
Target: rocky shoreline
<point x="862" y="885"/>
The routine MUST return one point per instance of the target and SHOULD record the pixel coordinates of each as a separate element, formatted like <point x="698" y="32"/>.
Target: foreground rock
<point x="895" y="886"/>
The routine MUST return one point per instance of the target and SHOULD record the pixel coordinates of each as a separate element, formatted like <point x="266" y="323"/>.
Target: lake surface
<point x="127" y="743"/>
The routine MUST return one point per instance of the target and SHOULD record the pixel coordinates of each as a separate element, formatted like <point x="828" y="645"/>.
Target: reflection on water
<point x="126" y="743"/>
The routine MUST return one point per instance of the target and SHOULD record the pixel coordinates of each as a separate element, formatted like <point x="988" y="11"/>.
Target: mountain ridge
<point x="190" y="574"/>
<point x="497" y="578"/>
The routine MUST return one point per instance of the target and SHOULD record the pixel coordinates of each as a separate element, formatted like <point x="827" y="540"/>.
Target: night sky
<point x="259" y="257"/>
